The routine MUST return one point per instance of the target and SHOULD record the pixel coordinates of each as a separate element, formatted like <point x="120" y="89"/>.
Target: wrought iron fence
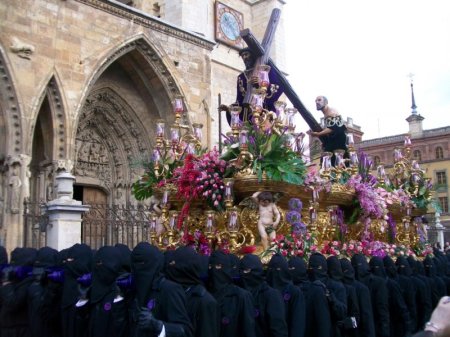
<point x="101" y="225"/>
<point x="35" y="224"/>
<point x="108" y="225"/>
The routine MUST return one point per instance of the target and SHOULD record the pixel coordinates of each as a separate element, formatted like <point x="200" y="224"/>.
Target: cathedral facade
<point x="84" y="81"/>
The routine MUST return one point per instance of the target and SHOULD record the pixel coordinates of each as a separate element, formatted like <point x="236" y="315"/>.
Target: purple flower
<point x="295" y="204"/>
<point x="107" y="306"/>
<point x="225" y="320"/>
<point x="298" y="228"/>
<point x="293" y="217"/>
<point x="286" y="297"/>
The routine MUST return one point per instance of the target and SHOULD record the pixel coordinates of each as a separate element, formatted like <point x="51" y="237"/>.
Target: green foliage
<point x="270" y="156"/>
<point x="143" y="188"/>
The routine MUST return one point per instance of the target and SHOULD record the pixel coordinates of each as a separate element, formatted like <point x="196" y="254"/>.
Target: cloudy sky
<point x="359" y="53"/>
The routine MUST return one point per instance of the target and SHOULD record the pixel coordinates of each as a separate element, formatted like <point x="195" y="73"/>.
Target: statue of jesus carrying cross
<point x="257" y="54"/>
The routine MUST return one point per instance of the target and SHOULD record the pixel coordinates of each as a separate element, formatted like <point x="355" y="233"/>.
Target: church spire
<point x="415" y="119"/>
<point x="413" y="105"/>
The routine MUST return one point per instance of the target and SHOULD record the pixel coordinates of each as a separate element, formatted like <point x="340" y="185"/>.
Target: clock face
<point x="229" y="24"/>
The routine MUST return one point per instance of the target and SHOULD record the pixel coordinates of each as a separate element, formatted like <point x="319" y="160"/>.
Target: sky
<point x="359" y="54"/>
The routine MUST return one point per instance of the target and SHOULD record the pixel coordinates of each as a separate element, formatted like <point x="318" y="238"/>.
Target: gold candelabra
<point x="183" y="139"/>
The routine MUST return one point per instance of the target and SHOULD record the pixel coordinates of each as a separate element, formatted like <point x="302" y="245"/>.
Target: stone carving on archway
<point x="11" y="111"/>
<point x="109" y="139"/>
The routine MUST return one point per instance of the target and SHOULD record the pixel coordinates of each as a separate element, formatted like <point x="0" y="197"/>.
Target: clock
<point x="228" y="25"/>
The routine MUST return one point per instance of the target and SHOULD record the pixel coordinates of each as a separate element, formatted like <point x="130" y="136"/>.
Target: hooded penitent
<point x="78" y="262"/>
<point x="125" y="257"/>
<point x="184" y="266"/>
<point x="46" y="257"/>
<point x="403" y="267"/>
<point x="347" y="270"/>
<point x="251" y="271"/>
<point x="334" y="268"/>
<point x="106" y="269"/>
<point x="23" y="256"/>
<point x="220" y="272"/>
<point x="317" y="267"/>
<point x="298" y="270"/>
<point x="146" y="265"/>
<point x="390" y="267"/>
<point x="278" y="275"/>
<point x="3" y="256"/>
<point x="362" y="269"/>
<point x="377" y="267"/>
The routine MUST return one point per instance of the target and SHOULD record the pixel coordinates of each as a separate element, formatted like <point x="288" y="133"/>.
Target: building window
<point x="439" y="153"/>
<point x="376" y="161"/>
<point x="443" y="201"/>
<point x="417" y="155"/>
<point x="441" y="178"/>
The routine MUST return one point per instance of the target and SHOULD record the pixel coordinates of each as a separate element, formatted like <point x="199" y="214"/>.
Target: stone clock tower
<point x="83" y="82"/>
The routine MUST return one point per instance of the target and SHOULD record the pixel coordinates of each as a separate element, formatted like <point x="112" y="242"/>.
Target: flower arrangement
<point x="301" y="245"/>
<point x="271" y="156"/>
<point x="332" y="248"/>
<point x="294" y="216"/>
<point x="314" y="181"/>
<point x="423" y="249"/>
<point x="202" y="178"/>
<point x="198" y="241"/>
<point x="144" y="187"/>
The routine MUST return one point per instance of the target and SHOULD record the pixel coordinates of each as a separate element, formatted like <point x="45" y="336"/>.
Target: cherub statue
<point x="269" y="215"/>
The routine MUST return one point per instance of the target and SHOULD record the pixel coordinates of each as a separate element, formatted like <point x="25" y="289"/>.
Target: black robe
<point x="44" y="296"/>
<point x="236" y="312"/>
<point x="366" y="325"/>
<point x="279" y="278"/>
<point x="108" y="305"/>
<point x="336" y="293"/>
<point x="318" y="318"/>
<point x="347" y="326"/>
<point x="400" y="319"/>
<point x="75" y="319"/>
<point x="268" y="303"/>
<point x="163" y="299"/>
<point x="186" y="268"/>
<point x="423" y="295"/>
<point x="378" y="294"/>
<point x="14" y="320"/>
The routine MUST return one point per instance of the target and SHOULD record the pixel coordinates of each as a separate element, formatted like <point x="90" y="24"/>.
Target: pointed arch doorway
<point x="115" y="134"/>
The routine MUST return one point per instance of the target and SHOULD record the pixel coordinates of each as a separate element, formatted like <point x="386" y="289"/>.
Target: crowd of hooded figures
<point x="115" y="291"/>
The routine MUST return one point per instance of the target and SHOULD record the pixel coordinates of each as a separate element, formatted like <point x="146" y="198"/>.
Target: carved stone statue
<point x="14" y="185"/>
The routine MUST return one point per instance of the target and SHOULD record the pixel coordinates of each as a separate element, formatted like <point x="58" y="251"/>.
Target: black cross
<point x="261" y="53"/>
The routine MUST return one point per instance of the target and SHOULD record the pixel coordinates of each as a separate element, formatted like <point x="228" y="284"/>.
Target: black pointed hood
<point x="23" y="256"/>
<point x="46" y="257"/>
<point x="3" y="256"/>
<point x="185" y="266"/>
<point x="107" y="267"/>
<point x="317" y="267"/>
<point x="377" y="267"/>
<point x="362" y="268"/>
<point x="251" y="271"/>
<point x="403" y="267"/>
<point x="147" y="262"/>
<point x="220" y="272"/>
<point x="347" y="270"/>
<point x="278" y="275"/>
<point x="334" y="268"/>
<point x="298" y="270"/>
<point x="390" y="267"/>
